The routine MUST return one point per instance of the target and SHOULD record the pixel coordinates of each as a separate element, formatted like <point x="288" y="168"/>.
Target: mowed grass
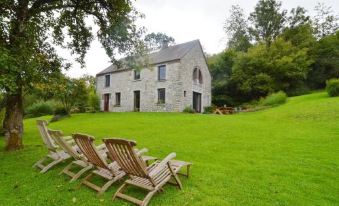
<point x="287" y="155"/>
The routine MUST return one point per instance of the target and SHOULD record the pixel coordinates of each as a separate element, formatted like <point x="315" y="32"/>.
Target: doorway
<point x="106" y="102"/>
<point x="136" y="101"/>
<point x="197" y="102"/>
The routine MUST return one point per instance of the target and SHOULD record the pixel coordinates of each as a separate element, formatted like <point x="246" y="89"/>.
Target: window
<point x="117" y="98"/>
<point x="161" y="96"/>
<point x="197" y="76"/>
<point x="136" y="74"/>
<point x="107" y="80"/>
<point x="162" y="72"/>
<point x="200" y="77"/>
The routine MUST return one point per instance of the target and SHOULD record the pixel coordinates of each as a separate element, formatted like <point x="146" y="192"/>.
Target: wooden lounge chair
<point x="80" y="160"/>
<point x="55" y="154"/>
<point x="109" y="172"/>
<point x="151" y="178"/>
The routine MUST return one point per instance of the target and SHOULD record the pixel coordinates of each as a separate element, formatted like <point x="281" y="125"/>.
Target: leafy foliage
<point x="274" y="99"/>
<point x="268" y="20"/>
<point x="93" y="102"/>
<point x="156" y="41"/>
<point x="325" y="22"/>
<point x="41" y="108"/>
<point x="236" y="27"/>
<point x="188" y="110"/>
<point x="332" y="87"/>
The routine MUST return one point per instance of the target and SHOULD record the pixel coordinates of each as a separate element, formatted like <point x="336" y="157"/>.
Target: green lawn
<point x="287" y="155"/>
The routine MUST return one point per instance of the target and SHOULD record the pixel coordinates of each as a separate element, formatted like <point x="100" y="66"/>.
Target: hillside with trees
<point x="275" y="50"/>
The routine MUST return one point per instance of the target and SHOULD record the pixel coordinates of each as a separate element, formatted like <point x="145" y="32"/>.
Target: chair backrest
<point x="48" y="141"/>
<point x="57" y="135"/>
<point x="87" y="147"/>
<point x="123" y="153"/>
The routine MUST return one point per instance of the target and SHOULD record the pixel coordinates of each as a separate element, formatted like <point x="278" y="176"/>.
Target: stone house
<point x="177" y="77"/>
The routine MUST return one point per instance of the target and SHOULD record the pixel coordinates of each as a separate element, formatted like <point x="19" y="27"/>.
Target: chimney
<point x="164" y="45"/>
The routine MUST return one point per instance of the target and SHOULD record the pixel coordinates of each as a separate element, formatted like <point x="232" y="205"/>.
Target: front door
<point x="136" y="101"/>
<point x="106" y="102"/>
<point x="197" y="102"/>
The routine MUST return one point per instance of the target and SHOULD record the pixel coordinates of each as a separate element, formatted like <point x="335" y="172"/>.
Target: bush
<point x="274" y="99"/>
<point x="40" y="108"/>
<point x="59" y="114"/>
<point x="188" y="109"/>
<point x="93" y="102"/>
<point x="208" y="110"/>
<point x="332" y="87"/>
<point x="60" y="110"/>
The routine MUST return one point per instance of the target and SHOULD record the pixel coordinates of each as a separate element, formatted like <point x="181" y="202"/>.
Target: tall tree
<point x="156" y="41"/>
<point x="325" y="22"/>
<point x="268" y="20"/>
<point x="298" y="16"/>
<point x="29" y="27"/>
<point x="236" y="28"/>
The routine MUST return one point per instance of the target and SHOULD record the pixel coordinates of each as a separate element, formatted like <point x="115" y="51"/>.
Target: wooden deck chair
<point x="110" y="172"/>
<point x="151" y="178"/>
<point x="80" y="160"/>
<point x="55" y="154"/>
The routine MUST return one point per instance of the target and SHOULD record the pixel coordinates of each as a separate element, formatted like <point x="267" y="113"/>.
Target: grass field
<point x="287" y="155"/>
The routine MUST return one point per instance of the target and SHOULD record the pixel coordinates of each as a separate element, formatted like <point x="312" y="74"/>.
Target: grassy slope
<point x="287" y="155"/>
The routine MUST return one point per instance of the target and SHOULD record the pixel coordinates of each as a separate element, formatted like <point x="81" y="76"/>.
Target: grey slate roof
<point x="171" y="53"/>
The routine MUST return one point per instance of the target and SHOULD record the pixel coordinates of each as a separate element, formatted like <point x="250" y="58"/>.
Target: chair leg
<point x="66" y="169"/>
<point x="120" y="190"/>
<point x="82" y="171"/>
<point x="106" y="186"/>
<point x="148" y="198"/>
<point x="50" y="165"/>
<point x="175" y="176"/>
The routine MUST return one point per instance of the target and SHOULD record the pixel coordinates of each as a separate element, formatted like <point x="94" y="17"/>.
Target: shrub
<point x="274" y="99"/>
<point x="40" y="108"/>
<point x="59" y="114"/>
<point x="60" y="110"/>
<point x="93" y="102"/>
<point x="332" y="87"/>
<point x="188" y="110"/>
<point x="208" y="110"/>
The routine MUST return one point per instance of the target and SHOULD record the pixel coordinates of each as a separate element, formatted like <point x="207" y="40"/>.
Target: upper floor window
<point x="200" y="77"/>
<point x="162" y="72"/>
<point x="161" y="96"/>
<point x="107" y="80"/>
<point x="136" y="74"/>
<point x="197" y="75"/>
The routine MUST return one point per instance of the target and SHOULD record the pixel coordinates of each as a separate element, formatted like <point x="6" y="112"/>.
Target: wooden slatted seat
<point x="80" y="160"/>
<point x="54" y="153"/>
<point x="109" y="172"/>
<point x="151" y="178"/>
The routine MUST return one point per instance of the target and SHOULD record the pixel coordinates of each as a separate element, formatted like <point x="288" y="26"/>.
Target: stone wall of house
<point x="195" y="59"/>
<point x="179" y="85"/>
<point x="148" y="86"/>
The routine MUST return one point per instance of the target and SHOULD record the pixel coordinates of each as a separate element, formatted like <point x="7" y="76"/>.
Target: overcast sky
<point x="185" y="20"/>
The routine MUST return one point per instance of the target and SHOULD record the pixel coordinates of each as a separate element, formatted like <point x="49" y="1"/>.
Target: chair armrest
<point x="141" y="152"/>
<point x="68" y="138"/>
<point x="101" y="147"/>
<point x="162" y="164"/>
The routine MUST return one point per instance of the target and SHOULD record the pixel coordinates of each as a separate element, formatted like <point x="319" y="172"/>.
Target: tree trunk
<point x="13" y="122"/>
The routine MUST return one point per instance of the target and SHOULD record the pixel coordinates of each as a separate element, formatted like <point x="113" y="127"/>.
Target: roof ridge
<point x="172" y="53"/>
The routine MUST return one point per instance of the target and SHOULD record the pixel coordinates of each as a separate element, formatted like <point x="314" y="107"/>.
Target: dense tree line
<point x="273" y="50"/>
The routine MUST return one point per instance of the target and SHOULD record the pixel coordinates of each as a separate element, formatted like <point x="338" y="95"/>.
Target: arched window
<point x="195" y="75"/>
<point x="200" y="77"/>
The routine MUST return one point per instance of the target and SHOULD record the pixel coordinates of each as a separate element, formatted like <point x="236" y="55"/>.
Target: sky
<point x="185" y="20"/>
